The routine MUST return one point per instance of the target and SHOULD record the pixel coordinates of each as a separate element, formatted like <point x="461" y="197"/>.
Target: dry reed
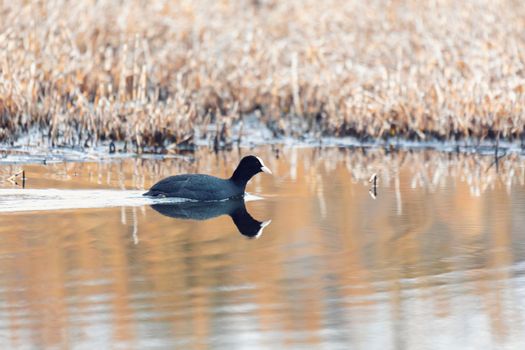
<point x="151" y="72"/>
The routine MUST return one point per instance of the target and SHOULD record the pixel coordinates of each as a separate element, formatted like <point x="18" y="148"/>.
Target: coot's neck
<point x="240" y="178"/>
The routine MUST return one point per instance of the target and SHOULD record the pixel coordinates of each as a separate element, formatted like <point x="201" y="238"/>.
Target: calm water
<point x="435" y="261"/>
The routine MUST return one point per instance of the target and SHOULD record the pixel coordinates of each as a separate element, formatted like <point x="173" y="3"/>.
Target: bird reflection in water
<point x="235" y="208"/>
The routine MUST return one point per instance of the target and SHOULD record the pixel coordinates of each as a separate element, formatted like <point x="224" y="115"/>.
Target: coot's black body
<point x="235" y="208"/>
<point x="209" y="188"/>
<point x="196" y="186"/>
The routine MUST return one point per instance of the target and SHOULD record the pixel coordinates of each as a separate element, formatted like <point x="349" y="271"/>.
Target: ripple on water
<point x="20" y="200"/>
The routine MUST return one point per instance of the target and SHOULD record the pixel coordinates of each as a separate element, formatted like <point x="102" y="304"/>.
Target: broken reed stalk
<point x="373" y="191"/>
<point x="12" y="178"/>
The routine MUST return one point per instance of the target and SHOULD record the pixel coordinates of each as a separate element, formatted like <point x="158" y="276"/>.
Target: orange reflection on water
<point x="435" y="261"/>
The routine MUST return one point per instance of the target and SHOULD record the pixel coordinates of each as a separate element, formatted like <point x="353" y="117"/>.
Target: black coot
<point x="235" y="208"/>
<point x="209" y="188"/>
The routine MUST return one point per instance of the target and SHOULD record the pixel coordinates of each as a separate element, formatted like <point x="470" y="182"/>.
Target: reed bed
<point x="152" y="73"/>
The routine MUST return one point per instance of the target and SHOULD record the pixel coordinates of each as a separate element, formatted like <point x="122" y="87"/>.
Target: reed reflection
<point x="235" y="208"/>
<point x="441" y="245"/>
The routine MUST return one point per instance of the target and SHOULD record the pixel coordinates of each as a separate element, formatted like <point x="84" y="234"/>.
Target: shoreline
<point x="33" y="154"/>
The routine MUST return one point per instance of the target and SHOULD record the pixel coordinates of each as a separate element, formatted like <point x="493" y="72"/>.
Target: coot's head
<point x="248" y="167"/>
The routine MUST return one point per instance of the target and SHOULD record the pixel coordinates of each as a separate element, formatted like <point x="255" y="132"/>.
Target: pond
<point x="433" y="257"/>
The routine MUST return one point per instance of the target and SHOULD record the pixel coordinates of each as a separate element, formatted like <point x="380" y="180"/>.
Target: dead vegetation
<point x="149" y="72"/>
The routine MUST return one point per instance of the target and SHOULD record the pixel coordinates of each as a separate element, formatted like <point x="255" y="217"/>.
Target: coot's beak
<point x="266" y="170"/>
<point x="263" y="167"/>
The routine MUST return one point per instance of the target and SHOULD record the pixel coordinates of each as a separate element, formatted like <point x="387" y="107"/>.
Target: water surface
<point x="435" y="261"/>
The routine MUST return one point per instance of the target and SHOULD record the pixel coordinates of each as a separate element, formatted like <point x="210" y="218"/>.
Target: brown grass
<point x="150" y="72"/>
